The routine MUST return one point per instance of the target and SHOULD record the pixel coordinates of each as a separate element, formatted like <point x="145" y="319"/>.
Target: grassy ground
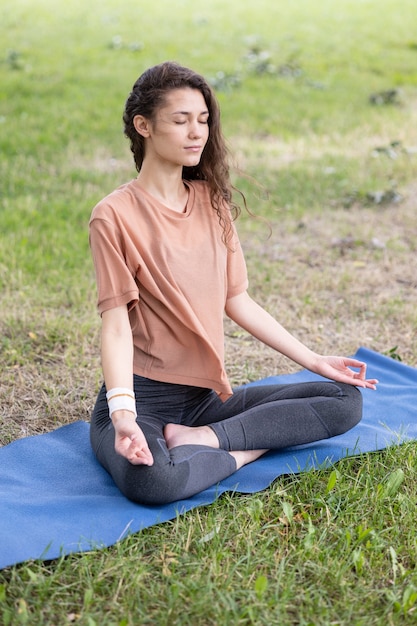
<point x="319" y="105"/>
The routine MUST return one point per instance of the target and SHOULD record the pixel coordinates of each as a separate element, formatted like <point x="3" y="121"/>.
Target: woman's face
<point x="180" y="130"/>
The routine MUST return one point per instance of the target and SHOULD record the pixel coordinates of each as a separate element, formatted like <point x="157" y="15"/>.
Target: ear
<point x="142" y="125"/>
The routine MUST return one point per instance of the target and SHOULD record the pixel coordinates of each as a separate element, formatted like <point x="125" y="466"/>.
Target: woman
<point x="168" y="263"/>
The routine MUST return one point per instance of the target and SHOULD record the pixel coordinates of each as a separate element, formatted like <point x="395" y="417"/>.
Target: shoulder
<point x="114" y="204"/>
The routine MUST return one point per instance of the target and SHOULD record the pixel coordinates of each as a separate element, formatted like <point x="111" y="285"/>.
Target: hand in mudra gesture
<point x="340" y="369"/>
<point x="130" y="441"/>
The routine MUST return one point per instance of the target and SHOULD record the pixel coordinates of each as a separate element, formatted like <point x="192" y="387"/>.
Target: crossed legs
<point x="197" y="440"/>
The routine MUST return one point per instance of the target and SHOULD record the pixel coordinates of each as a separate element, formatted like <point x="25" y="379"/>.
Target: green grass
<point x="331" y="547"/>
<point x="336" y="546"/>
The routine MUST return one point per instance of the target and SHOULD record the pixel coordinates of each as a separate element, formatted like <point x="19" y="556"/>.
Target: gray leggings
<point x="255" y="417"/>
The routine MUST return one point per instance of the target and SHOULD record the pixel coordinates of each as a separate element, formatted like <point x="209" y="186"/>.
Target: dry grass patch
<point x="337" y="279"/>
<point x="49" y="378"/>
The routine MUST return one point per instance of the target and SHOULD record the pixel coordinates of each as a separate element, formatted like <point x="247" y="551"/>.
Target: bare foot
<point x="178" y="435"/>
<point x="243" y="457"/>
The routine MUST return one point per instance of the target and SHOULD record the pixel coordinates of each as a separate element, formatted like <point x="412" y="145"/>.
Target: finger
<point x="356" y="363"/>
<point x="135" y="452"/>
<point x="359" y="365"/>
<point x="140" y="452"/>
<point x="141" y="458"/>
<point x="359" y="382"/>
<point x="369" y="384"/>
<point x="122" y="446"/>
<point x="362" y="371"/>
<point x="361" y="375"/>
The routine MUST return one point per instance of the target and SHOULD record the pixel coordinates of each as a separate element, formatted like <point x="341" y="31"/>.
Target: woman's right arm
<point x="117" y="364"/>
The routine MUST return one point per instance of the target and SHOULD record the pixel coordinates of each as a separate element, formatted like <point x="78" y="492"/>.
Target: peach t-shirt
<point x="175" y="274"/>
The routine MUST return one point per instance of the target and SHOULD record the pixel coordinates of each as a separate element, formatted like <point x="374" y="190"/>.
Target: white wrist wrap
<point x="121" y="398"/>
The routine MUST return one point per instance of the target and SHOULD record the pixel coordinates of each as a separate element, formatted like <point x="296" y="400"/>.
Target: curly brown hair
<point x="148" y="95"/>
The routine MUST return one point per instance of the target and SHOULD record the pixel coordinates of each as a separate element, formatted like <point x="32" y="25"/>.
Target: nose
<point x="195" y="129"/>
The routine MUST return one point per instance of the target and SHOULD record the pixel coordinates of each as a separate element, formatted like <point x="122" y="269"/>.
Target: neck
<point x="167" y="186"/>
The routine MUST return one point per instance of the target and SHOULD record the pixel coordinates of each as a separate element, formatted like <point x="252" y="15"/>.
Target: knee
<point x="153" y="485"/>
<point x="352" y="412"/>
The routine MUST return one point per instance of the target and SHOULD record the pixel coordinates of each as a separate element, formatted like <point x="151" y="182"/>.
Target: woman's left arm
<point x="243" y="310"/>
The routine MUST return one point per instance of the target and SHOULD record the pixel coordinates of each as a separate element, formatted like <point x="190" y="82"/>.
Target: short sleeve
<point x="116" y="283"/>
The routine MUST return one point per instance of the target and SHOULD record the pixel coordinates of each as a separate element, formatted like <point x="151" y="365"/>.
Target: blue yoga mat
<point x="56" y="499"/>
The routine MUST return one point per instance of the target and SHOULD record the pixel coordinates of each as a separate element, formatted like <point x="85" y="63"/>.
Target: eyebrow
<point x="188" y="113"/>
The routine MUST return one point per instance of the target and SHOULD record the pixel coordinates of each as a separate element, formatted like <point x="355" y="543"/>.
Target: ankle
<point x="243" y="457"/>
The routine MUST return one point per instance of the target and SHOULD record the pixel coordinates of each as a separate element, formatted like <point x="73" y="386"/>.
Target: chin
<point x="193" y="162"/>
